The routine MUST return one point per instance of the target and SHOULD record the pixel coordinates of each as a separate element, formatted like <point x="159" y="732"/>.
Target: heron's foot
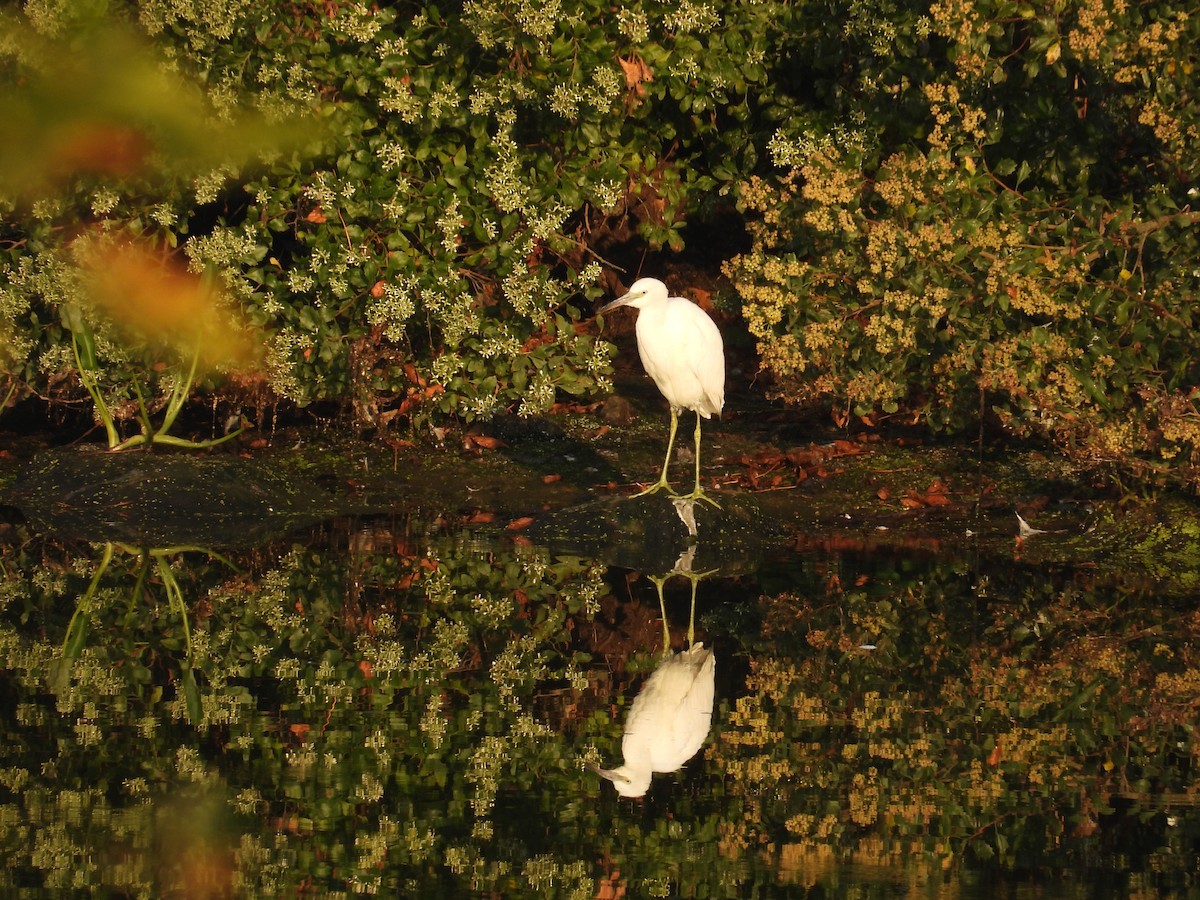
<point x="660" y="485"/>
<point x="699" y="495"/>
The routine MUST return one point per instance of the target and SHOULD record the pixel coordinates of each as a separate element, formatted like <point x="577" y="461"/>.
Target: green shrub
<point x="432" y="245"/>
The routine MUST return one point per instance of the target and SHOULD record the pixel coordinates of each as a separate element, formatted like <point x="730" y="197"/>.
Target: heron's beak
<point x="620" y="301"/>
<point x="608" y="773"/>
<point x="624" y="300"/>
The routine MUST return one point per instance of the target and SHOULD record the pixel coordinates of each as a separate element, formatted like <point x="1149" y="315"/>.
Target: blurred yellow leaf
<point x="105" y="104"/>
<point x="157" y="298"/>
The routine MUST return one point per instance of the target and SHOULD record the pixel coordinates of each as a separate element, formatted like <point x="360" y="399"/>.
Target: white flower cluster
<point x="538" y="397"/>
<point x="287" y="346"/>
<point x="454" y="308"/>
<point x="399" y="98"/>
<point x="530" y="294"/>
<point x="391" y="155"/>
<point x="483" y="406"/>
<point x="395" y="307"/>
<point x="791" y="151"/>
<point x="500" y="345"/>
<point x="104" y="201"/>
<point x="433" y="721"/>
<point x="450" y="223"/>
<point x="689" y="17"/>
<point x="503" y="177"/>
<point x="223" y="248"/>
<point x="446" y="367"/>
<point x="632" y="24"/>
<point x="357" y="22"/>
<point x="208" y="186"/>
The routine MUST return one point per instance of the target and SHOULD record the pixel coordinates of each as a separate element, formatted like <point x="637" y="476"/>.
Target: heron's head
<point x="628" y="782"/>
<point x="643" y="291"/>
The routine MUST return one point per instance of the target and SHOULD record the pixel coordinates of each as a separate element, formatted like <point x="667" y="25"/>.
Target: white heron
<point x="682" y="351"/>
<point x="672" y="713"/>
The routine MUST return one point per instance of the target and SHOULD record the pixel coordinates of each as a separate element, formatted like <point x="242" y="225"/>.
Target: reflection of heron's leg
<point x="695" y="578"/>
<point x="662" y="479"/>
<point x="692" y="615"/>
<point x="662" y="606"/>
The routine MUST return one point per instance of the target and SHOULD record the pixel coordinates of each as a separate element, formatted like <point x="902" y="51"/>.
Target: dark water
<point x="412" y="706"/>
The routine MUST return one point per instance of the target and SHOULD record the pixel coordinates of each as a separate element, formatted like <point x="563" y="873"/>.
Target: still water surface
<point x="409" y="706"/>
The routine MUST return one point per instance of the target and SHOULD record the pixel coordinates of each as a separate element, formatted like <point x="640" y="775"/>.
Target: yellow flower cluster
<point x="1117" y="439"/>
<point x="877" y="714"/>
<point x="947" y="107"/>
<point x="1168" y="127"/>
<point x="891" y="333"/>
<point x="914" y="807"/>
<point x="1182" y="687"/>
<point x="960" y="22"/>
<point x="810" y="710"/>
<point x="1179" y="430"/>
<point x="1027" y="746"/>
<point x="864" y="797"/>
<point x="1111" y="660"/>
<point x="807" y="825"/>
<point x="873" y="389"/>
<point x="902" y="180"/>
<point x="830" y="181"/>
<point x="749" y="724"/>
<point x="985" y="788"/>
<point x="1156" y="49"/>
<point x="1089" y="39"/>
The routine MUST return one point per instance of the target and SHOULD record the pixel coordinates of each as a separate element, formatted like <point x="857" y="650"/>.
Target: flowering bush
<point x="990" y="217"/>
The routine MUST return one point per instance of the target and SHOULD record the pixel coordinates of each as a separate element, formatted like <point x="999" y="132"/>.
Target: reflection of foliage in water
<point x="934" y="712"/>
<point x="409" y="714"/>
<point x="384" y="717"/>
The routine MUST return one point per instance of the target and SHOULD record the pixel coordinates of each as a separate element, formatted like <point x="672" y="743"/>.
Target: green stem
<point x="134" y="440"/>
<point x="143" y="414"/>
<point x="7" y="397"/>
<point x="85" y="602"/>
<point x="179" y="394"/>
<point x="196" y="445"/>
<point x="93" y="390"/>
<point x="175" y="596"/>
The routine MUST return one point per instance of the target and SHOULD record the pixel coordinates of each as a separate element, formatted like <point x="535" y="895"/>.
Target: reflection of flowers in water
<point x="433" y="723"/>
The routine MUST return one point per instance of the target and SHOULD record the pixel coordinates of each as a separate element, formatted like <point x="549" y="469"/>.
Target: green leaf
<point x="191" y="695"/>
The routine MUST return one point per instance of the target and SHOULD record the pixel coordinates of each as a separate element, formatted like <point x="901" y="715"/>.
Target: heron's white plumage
<point x="682" y="351"/>
<point x="668" y="721"/>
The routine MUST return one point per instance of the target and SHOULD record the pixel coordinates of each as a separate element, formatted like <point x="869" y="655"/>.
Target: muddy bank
<point x="561" y="480"/>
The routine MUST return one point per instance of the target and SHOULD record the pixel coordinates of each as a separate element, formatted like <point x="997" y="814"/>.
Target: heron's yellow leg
<point x="698" y="492"/>
<point x="692" y="615"/>
<point x="662" y="479"/>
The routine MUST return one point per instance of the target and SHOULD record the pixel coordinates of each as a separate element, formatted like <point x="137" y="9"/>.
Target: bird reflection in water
<point x="672" y="714"/>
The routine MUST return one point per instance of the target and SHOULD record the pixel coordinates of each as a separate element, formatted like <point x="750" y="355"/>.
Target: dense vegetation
<point x="995" y="220"/>
<point x="962" y="212"/>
